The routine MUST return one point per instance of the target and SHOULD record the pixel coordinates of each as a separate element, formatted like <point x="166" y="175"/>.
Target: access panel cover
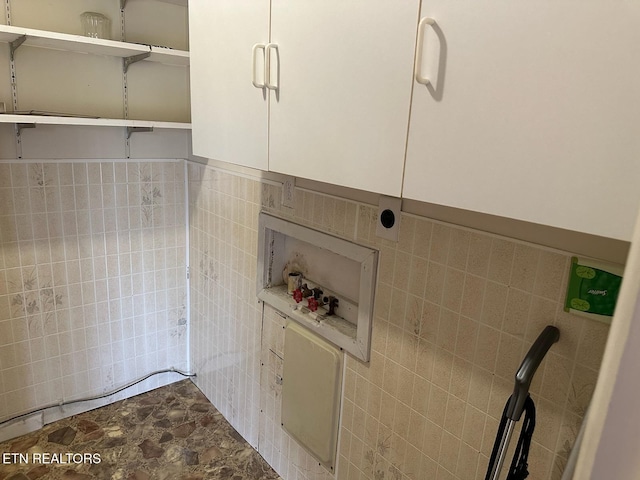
<point x="311" y="388"/>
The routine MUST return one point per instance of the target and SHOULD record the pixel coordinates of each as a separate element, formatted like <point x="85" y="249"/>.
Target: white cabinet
<point x="532" y="112"/>
<point x="229" y="115"/>
<point x="345" y="88"/>
<point x="340" y="74"/>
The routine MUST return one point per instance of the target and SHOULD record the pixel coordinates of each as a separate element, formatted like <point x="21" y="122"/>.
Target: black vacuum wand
<point x="530" y="364"/>
<point x="519" y="399"/>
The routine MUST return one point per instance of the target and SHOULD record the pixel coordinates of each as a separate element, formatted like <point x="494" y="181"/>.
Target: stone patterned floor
<point x="169" y="433"/>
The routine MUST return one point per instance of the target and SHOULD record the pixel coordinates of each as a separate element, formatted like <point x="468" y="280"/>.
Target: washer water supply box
<point x="344" y="273"/>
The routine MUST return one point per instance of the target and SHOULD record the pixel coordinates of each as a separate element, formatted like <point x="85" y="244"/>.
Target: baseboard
<point x="22" y="427"/>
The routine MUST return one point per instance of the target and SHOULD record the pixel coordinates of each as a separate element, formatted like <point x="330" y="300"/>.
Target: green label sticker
<point x="585" y="272"/>
<point x="579" y="304"/>
<point x="592" y="290"/>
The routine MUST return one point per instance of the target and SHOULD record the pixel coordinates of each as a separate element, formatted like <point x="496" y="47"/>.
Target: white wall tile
<point x="455" y="311"/>
<point x="67" y="313"/>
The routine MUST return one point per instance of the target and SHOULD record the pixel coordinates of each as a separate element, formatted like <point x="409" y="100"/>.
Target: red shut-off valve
<point x="312" y="304"/>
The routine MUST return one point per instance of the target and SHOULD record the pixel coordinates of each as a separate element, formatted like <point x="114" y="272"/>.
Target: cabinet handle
<point x="421" y="28"/>
<point x="256" y="47"/>
<point x="272" y="86"/>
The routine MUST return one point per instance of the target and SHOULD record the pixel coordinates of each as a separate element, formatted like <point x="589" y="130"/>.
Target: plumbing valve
<point x="306" y="291"/>
<point x="312" y="304"/>
<point x="333" y="304"/>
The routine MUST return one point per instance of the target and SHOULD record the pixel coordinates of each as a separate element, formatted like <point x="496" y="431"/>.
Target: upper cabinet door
<point x="229" y="114"/>
<point x="531" y="111"/>
<point x="344" y="74"/>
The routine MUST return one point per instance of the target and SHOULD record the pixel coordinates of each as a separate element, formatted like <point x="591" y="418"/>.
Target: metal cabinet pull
<point x="254" y="80"/>
<point x="421" y="28"/>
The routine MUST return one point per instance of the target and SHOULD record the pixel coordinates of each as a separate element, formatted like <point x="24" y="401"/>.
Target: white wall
<point x="611" y="438"/>
<point x="93" y="251"/>
<point x="455" y="311"/>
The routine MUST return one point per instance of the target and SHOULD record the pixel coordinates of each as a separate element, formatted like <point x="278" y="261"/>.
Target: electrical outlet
<point x="288" y="192"/>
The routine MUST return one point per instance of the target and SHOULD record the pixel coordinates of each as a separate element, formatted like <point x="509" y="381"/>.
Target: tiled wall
<point x="456" y="310"/>
<point x="225" y="315"/>
<point x="92" y="278"/>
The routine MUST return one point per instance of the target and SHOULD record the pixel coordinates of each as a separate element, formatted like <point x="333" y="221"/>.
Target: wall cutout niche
<point x="337" y="274"/>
